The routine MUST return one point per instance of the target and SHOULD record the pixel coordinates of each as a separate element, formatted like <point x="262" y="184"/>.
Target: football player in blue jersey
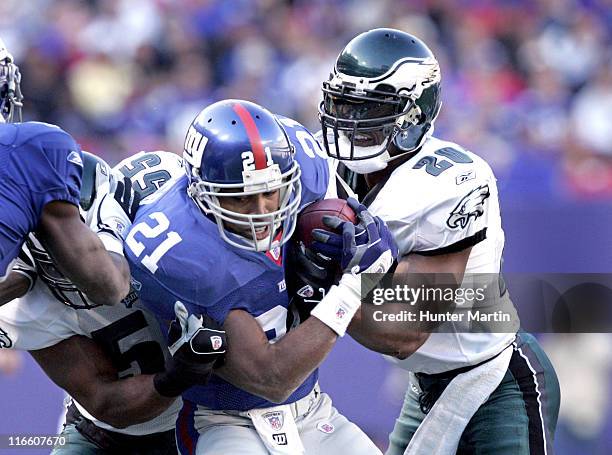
<point x="40" y="179"/>
<point x="123" y="400"/>
<point x="213" y="242"/>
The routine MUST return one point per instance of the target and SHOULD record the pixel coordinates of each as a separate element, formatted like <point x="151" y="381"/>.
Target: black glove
<point x="197" y="345"/>
<point x="310" y="275"/>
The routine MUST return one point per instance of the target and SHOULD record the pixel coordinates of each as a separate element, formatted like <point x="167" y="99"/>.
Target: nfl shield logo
<point x="340" y="313"/>
<point x="216" y="342"/>
<point x="306" y="292"/>
<point x="275" y="253"/>
<point x="275" y="419"/>
<point x="325" y="427"/>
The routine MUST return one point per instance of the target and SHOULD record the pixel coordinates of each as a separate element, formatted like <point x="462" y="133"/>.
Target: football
<point x="312" y="217"/>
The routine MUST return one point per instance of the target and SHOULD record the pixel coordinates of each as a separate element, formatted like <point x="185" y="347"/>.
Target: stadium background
<point x="526" y="84"/>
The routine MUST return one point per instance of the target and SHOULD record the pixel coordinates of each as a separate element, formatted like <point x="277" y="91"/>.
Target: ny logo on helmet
<point x="471" y="206"/>
<point x="195" y="143"/>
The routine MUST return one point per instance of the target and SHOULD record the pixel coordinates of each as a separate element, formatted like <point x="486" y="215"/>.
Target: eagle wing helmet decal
<point x="471" y="206"/>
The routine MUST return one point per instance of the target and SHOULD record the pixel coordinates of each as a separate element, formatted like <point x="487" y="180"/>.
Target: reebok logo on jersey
<point x="75" y="158"/>
<point x="462" y="178"/>
<point x="471" y="206"/>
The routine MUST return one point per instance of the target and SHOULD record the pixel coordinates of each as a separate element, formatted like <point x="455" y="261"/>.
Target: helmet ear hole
<point x="385" y="88"/>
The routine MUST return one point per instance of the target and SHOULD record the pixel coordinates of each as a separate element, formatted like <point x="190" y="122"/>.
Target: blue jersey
<point x="176" y="253"/>
<point x="39" y="163"/>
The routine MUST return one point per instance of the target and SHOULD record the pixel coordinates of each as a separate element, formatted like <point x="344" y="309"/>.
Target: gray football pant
<point x="224" y="434"/>
<point x="519" y="418"/>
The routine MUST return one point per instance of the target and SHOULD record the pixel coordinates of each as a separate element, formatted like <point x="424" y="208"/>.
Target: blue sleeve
<point x="50" y="165"/>
<point x="312" y="159"/>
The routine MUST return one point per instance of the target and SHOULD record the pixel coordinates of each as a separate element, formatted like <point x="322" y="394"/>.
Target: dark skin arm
<point x="272" y="371"/>
<point x="81" y="256"/>
<point x="395" y="339"/>
<point x="80" y="367"/>
<point x="13" y="287"/>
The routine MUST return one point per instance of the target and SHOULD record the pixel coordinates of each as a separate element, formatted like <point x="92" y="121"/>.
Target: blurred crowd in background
<point x="526" y="84"/>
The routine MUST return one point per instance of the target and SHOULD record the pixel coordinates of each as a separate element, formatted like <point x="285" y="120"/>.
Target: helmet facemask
<point x="208" y="196"/>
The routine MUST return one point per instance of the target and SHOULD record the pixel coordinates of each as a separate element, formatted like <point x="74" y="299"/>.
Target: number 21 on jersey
<point x="171" y="239"/>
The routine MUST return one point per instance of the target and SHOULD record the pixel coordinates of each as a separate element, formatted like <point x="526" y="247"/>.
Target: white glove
<point x="113" y="211"/>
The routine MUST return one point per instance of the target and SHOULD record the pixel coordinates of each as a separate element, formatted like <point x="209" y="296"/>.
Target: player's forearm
<point x="104" y="277"/>
<point x="125" y="402"/>
<point x="299" y="353"/>
<point x="394" y="340"/>
<point x="280" y="368"/>
<point x="81" y="256"/>
<point x="15" y="286"/>
<point x="114" y="283"/>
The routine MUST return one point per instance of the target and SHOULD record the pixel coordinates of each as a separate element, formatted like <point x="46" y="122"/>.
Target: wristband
<point x="337" y="308"/>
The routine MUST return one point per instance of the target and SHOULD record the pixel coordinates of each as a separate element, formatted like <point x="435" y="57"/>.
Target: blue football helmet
<point x="236" y="148"/>
<point x="11" y="99"/>
<point x="384" y="92"/>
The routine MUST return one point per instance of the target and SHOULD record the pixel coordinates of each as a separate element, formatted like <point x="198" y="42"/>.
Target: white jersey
<point x="444" y="199"/>
<point x="131" y="337"/>
<point x="128" y="332"/>
<point x="148" y="171"/>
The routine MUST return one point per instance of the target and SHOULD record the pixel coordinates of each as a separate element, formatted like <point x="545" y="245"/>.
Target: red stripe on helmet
<point x="253" y="134"/>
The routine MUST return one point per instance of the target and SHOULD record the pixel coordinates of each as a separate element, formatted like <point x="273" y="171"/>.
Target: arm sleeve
<point x="51" y="165"/>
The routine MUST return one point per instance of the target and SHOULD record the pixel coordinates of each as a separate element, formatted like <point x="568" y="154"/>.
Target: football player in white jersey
<point x="469" y="392"/>
<point x="100" y="346"/>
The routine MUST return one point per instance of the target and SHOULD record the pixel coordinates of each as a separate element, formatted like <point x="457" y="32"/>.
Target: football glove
<point x="367" y="248"/>
<point x="197" y="345"/>
<point x="309" y="277"/>
<point x="113" y="211"/>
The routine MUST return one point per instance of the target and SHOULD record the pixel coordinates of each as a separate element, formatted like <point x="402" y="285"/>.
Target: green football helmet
<point x="384" y="89"/>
